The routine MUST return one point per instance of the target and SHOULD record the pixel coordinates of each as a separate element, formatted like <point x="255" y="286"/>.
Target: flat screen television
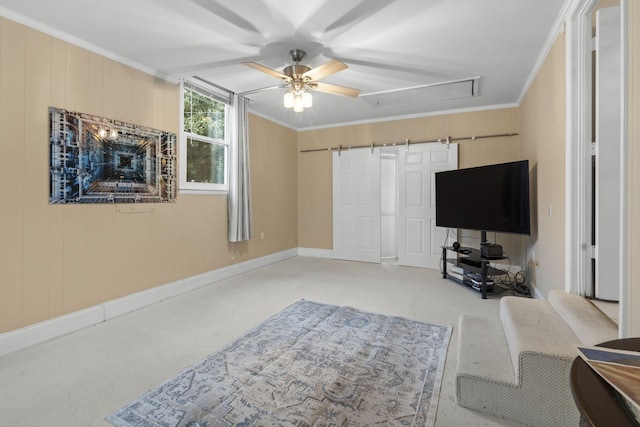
<point x="485" y="198"/>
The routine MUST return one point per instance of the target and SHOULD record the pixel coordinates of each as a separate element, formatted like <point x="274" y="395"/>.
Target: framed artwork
<point x="98" y="160"/>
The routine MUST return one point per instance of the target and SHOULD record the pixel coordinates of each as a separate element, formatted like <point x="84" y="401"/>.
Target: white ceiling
<point x="389" y="46"/>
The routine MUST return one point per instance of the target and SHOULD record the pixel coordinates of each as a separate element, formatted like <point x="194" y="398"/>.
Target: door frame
<point x="578" y="153"/>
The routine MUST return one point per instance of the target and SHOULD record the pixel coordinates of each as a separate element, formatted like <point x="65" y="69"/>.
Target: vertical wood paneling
<point x="56" y="260"/>
<point x="273" y="148"/>
<point x="55" y="266"/>
<point x="416" y="129"/>
<point x="93" y="258"/>
<point x="96" y="101"/>
<point x="199" y="230"/>
<point x="74" y="253"/>
<point x="143" y="99"/>
<point x="106" y="271"/>
<point x="472" y="153"/>
<point x="165" y="241"/>
<point x="77" y="79"/>
<point x="35" y="304"/>
<point x="168" y="116"/>
<point x="542" y="141"/>
<point x="58" y="73"/>
<point x="109" y="87"/>
<point x="76" y="266"/>
<point x="131" y="252"/>
<point x="12" y="123"/>
<point x="122" y="93"/>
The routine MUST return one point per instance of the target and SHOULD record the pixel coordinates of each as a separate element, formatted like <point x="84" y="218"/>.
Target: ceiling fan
<point x="300" y="78"/>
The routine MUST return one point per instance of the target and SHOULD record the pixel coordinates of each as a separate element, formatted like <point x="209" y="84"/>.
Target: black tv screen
<point x="485" y="198"/>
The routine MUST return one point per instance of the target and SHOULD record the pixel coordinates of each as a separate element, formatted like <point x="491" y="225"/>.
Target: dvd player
<point x="471" y="261"/>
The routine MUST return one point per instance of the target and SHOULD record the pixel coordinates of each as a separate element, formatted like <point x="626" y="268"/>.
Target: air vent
<point x="435" y="92"/>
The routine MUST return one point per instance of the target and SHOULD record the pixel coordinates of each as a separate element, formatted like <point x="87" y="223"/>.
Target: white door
<point x="419" y="240"/>
<point x="608" y="224"/>
<point x="389" y="204"/>
<point x="356" y="205"/>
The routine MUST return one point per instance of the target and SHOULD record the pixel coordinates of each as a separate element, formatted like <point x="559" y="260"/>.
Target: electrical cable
<point x="515" y="284"/>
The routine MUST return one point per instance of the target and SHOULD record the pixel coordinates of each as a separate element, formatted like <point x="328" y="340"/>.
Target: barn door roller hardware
<point x="446" y="140"/>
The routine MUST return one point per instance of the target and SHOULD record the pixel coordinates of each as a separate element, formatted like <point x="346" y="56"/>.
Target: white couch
<point x="522" y="374"/>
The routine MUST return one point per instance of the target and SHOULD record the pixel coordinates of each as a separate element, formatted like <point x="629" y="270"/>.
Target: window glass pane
<point x="205" y="162"/>
<point x="203" y="115"/>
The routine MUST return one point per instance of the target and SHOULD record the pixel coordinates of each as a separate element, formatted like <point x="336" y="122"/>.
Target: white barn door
<point x="356" y="205"/>
<point x="419" y="240"/>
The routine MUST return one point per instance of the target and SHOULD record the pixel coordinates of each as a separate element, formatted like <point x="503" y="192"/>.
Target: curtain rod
<point x="224" y="89"/>
<point x="407" y="142"/>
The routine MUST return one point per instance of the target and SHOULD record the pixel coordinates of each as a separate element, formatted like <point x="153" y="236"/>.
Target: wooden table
<point x="596" y="399"/>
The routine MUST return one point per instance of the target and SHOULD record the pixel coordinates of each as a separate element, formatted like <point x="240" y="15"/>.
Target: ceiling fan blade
<point x="262" y="89"/>
<point x="266" y="70"/>
<point x="334" y="89"/>
<point x="325" y="69"/>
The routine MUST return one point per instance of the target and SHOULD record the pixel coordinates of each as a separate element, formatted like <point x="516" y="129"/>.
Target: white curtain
<point x="239" y="198"/>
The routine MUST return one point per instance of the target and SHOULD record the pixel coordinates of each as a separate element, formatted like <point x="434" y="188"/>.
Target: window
<point x="205" y="140"/>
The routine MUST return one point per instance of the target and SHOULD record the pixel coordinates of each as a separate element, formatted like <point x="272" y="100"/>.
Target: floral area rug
<point x="311" y="364"/>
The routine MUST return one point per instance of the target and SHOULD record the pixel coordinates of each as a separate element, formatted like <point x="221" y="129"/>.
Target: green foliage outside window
<point x="206" y="162"/>
<point x="204" y="116"/>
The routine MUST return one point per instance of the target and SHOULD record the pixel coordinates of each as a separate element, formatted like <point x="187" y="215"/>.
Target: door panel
<point x="389" y="205"/>
<point x="356" y="205"/>
<point x="419" y="239"/>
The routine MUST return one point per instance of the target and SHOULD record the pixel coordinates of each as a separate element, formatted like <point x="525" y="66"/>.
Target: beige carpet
<point x="80" y="378"/>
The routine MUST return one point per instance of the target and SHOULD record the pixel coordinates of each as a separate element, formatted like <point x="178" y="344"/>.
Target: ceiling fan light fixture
<point x="298" y="99"/>
<point x="288" y="99"/>
<point x="298" y="103"/>
<point x="307" y="100"/>
<point x="300" y="79"/>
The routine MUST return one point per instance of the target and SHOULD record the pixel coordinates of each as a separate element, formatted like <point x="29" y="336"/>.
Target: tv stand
<point x="472" y="267"/>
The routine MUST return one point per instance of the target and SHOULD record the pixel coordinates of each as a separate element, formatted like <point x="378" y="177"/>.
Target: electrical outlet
<point x="262" y="235"/>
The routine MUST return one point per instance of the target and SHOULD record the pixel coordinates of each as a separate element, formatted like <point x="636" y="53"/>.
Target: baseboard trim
<point x="53" y="328"/>
<point x="316" y="253"/>
<point x="142" y="299"/>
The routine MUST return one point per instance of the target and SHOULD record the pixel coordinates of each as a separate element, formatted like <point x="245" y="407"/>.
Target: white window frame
<point x="186" y="187"/>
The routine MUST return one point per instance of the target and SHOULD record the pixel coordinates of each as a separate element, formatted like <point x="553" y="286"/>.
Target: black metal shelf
<point x="470" y="260"/>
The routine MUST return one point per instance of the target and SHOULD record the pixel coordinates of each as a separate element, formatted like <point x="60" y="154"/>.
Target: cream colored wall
<point x="56" y="259"/>
<point x="274" y="187"/>
<point x="542" y="141"/>
<point x="315" y="173"/>
<point x="633" y="213"/>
